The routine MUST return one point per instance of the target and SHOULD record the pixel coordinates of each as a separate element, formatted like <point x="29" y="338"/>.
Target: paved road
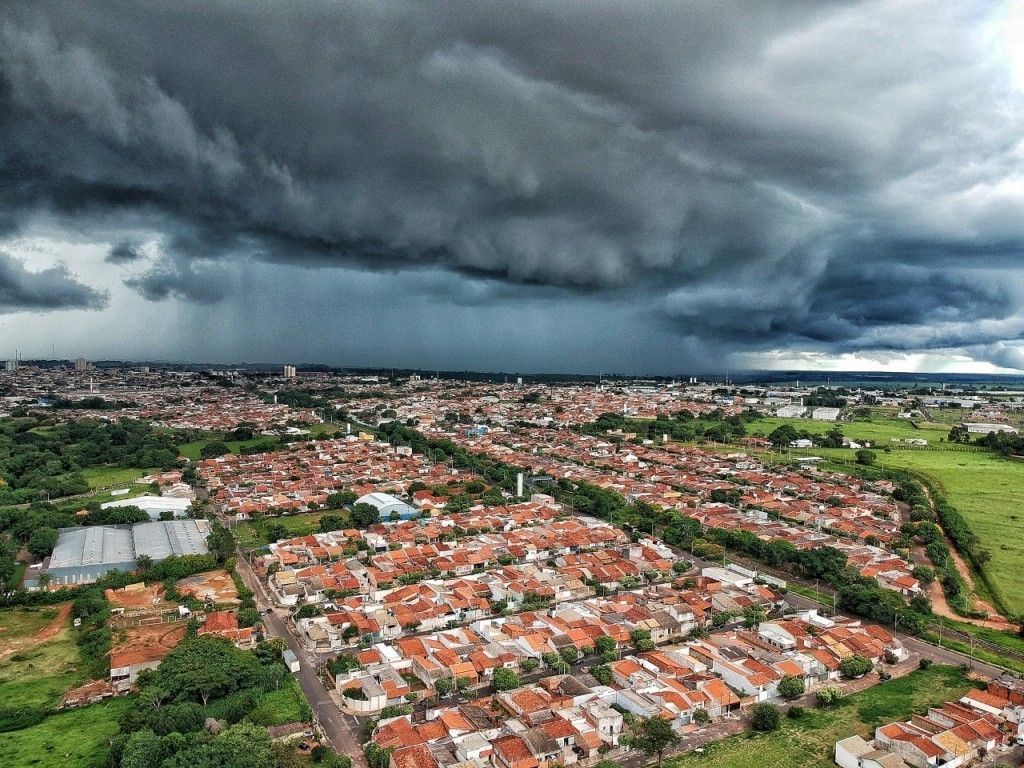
<point x="343" y="732"/>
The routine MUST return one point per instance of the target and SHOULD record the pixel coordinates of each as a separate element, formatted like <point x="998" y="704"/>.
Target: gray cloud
<point x="124" y="252"/>
<point x="48" y="289"/>
<point x="838" y="176"/>
<point x="174" y="277"/>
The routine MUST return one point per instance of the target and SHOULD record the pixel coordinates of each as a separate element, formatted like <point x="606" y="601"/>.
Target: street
<point x="342" y="732"/>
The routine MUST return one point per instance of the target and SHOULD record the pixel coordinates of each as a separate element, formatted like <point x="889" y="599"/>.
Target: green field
<point x="986" y="489"/>
<point x="104" y="477"/>
<point x="34" y="674"/>
<point x="879" y="431"/>
<point x="255" y="533"/>
<point x="810" y="741"/>
<point x="191" y="450"/>
<point x="77" y="738"/>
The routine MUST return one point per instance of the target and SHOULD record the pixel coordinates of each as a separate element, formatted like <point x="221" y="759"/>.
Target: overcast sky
<point x="605" y="186"/>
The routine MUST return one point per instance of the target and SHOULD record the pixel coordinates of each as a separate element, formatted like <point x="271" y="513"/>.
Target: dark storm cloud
<point x="49" y="289"/>
<point x="124" y="252"/>
<point x="839" y="175"/>
<point x="173" y="277"/>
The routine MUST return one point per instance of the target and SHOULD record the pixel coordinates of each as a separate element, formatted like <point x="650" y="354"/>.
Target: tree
<point x="331" y="522"/>
<point x="142" y="750"/>
<point x="214" y="449"/>
<point x="364" y="515"/>
<point x="444" y="686"/>
<point x="783" y="435"/>
<point x="204" y="668"/>
<point x="701" y="716"/>
<point x="505" y="679"/>
<point x="753" y="616"/>
<point x="654" y="736"/>
<point x="855" y="666"/>
<point x="791" y="687"/>
<point x="866" y="457"/>
<point x="605" y="645"/>
<point x="42" y="541"/>
<point x="340" y="499"/>
<point x="190" y="475"/>
<point x="959" y="434"/>
<point x="603" y="674"/>
<point x="765" y="717"/>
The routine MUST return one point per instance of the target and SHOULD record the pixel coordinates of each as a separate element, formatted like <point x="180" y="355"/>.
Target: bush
<point x="828" y="696"/>
<point x="796" y="712"/>
<point x="765" y="717"/>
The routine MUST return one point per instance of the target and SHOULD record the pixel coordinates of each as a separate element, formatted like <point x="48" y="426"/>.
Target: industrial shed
<point x="386" y="504"/>
<point x="154" y="505"/>
<point x="84" y="554"/>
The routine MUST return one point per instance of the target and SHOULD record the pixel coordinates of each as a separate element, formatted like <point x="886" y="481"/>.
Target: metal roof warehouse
<point x="84" y="554"/>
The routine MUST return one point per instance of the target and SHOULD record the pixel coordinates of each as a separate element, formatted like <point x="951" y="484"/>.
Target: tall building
<point x="12" y="366"/>
<point x="81" y="364"/>
<point x="289" y="371"/>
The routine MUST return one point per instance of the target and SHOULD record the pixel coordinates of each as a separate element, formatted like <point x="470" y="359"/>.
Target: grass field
<point x="879" y="431"/>
<point x="287" y="705"/>
<point x="810" y="741"/>
<point x="34" y="674"/>
<point x="77" y="738"/>
<point x="191" y="450"/>
<point x="256" y="533"/>
<point x="104" y="477"/>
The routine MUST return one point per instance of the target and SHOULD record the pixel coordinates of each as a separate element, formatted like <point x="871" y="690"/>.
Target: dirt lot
<point x="148" y="637"/>
<point x="217" y="586"/>
<point x="138" y="597"/>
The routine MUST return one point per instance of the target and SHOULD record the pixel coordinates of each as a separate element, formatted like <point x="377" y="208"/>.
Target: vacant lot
<point x="105" y="477"/>
<point x="39" y="660"/>
<point x="217" y="586"/>
<point x="74" y="739"/>
<point x="809" y="742"/>
<point x="258" y="532"/>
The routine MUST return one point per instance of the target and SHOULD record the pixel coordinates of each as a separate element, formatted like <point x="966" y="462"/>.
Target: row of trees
<point x="714" y="426"/>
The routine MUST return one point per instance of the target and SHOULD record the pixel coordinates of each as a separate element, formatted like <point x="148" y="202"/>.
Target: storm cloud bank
<point x="841" y="176"/>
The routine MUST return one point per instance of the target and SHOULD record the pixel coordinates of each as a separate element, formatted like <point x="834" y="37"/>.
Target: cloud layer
<point x="48" y="289"/>
<point x="841" y="176"/>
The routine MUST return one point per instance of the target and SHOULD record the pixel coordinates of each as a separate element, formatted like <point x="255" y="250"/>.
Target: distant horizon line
<point x="715" y="377"/>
